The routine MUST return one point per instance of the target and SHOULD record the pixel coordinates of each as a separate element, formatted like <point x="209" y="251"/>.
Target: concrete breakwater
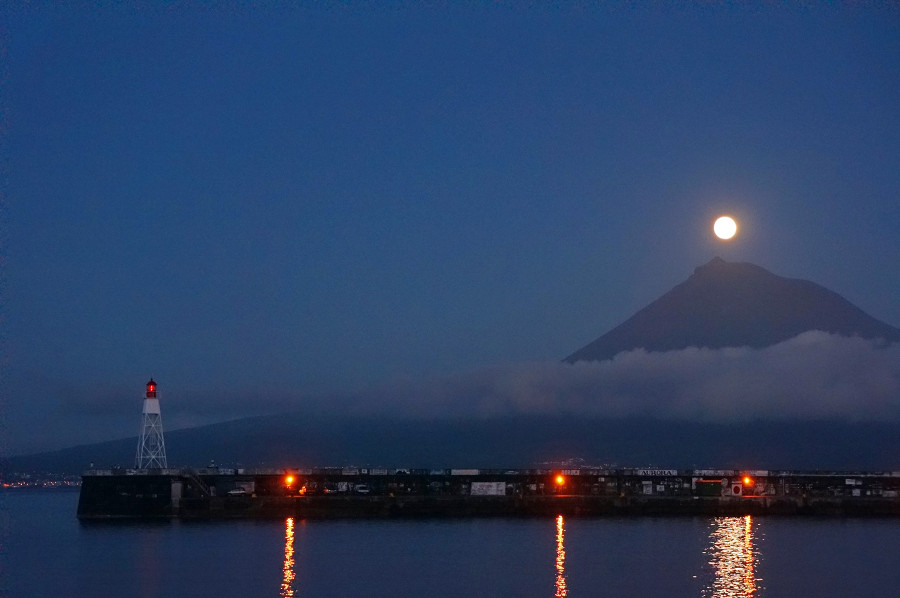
<point x="218" y="493"/>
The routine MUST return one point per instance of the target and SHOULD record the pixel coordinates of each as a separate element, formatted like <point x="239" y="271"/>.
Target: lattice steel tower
<point x="151" y="450"/>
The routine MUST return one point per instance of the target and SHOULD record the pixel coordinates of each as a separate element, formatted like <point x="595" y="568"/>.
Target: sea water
<point x="45" y="551"/>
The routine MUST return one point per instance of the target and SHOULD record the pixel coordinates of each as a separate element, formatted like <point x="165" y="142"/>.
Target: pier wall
<point x="360" y="492"/>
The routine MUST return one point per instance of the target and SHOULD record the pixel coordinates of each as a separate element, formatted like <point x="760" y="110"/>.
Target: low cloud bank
<point x="815" y="375"/>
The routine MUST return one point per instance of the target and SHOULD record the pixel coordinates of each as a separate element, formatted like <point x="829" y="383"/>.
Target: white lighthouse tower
<point x="151" y="450"/>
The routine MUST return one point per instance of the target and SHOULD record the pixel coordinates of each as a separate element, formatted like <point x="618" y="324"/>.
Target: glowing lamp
<point x="151" y="389"/>
<point x="288" y="480"/>
<point x="560" y="480"/>
<point x="747" y="480"/>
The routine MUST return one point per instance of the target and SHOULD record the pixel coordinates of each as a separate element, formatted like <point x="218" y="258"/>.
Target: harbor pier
<point x="222" y="493"/>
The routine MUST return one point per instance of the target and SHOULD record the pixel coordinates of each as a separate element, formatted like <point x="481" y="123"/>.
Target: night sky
<point x="267" y="208"/>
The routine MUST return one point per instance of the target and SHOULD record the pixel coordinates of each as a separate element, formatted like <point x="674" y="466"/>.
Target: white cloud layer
<point x="815" y="375"/>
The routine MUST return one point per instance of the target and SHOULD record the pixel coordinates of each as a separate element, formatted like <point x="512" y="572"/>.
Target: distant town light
<point x="560" y="480"/>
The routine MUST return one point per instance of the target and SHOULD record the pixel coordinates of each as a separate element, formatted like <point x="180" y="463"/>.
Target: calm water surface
<point x="46" y="552"/>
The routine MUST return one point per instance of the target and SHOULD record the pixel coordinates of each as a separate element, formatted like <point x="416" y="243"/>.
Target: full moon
<point x="725" y="227"/>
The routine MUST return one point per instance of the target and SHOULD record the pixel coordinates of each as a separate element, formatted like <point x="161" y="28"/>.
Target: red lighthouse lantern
<point x="151" y="389"/>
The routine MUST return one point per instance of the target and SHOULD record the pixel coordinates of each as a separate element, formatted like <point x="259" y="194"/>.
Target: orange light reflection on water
<point x="287" y="580"/>
<point x="561" y="589"/>
<point x="733" y="558"/>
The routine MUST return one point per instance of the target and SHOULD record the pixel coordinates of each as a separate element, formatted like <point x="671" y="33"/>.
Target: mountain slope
<point x="733" y="305"/>
<point x="298" y="440"/>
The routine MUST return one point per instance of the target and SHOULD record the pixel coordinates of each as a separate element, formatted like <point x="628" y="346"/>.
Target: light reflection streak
<point x="561" y="589"/>
<point x="287" y="580"/>
<point x="733" y="558"/>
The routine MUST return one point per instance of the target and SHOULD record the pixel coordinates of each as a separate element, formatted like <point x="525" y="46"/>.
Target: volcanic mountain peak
<point x="727" y="304"/>
<point x="716" y="262"/>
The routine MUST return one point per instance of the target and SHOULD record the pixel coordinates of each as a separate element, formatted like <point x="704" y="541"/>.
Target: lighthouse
<point x="151" y="449"/>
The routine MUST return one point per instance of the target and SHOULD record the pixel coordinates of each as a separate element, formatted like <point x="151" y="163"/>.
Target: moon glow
<point x="725" y="227"/>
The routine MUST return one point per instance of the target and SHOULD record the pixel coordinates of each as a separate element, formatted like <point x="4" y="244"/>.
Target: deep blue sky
<point x="256" y="205"/>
